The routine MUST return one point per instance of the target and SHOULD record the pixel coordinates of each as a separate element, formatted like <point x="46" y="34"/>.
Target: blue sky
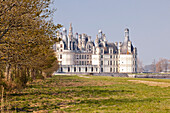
<point x="148" y="21"/>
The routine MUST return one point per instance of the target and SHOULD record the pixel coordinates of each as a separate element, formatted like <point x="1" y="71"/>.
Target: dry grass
<point x="150" y="83"/>
<point x="85" y="82"/>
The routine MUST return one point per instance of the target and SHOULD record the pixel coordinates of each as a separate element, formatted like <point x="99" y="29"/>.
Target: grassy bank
<point x="92" y="94"/>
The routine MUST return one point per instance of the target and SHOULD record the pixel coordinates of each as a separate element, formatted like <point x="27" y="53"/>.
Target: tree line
<point x="27" y="34"/>
<point x="162" y="65"/>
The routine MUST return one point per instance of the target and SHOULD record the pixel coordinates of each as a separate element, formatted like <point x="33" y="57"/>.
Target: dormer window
<point x="61" y="45"/>
<point x="60" y="56"/>
<point x="101" y="50"/>
<point x="111" y="51"/>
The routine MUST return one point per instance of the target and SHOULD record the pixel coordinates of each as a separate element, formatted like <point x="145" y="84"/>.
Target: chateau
<point x="77" y="53"/>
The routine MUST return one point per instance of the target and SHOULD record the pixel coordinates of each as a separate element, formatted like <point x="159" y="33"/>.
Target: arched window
<point x="74" y="69"/>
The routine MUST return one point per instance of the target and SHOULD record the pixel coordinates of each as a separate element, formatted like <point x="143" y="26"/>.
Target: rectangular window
<point x="101" y="56"/>
<point x="110" y="62"/>
<point x="60" y="56"/>
<point x="101" y="62"/>
<point x="110" y="56"/>
<point x="110" y="69"/>
<point x="86" y="69"/>
<point x="87" y="56"/>
<point x="101" y="69"/>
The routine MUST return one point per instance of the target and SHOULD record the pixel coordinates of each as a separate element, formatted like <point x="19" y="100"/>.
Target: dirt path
<point x="150" y="83"/>
<point x="83" y="76"/>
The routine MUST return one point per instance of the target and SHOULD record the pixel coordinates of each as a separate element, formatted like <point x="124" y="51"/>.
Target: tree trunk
<point x="2" y="100"/>
<point x="28" y="72"/>
<point x="33" y="74"/>
<point x="44" y="74"/>
<point x="8" y="72"/>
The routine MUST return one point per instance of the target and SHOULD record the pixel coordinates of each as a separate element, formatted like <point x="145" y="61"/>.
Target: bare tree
<point x="165" y="65"/>
<point x="162" y="65"/>
<point x="159" y="66"/>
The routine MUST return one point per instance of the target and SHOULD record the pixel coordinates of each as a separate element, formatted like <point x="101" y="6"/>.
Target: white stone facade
<point x="79" y="54"/>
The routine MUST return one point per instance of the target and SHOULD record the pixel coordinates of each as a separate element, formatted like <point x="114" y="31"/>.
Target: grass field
<point x="92" y="94"/>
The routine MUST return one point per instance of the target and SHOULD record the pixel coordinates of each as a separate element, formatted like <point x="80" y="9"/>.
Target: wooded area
<point x="27" y="34"/>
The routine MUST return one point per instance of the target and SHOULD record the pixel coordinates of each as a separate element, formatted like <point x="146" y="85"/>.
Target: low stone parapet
<point x="149" y="76"/>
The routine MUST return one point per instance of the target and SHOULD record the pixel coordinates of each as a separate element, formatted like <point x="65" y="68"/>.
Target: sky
<point x="147" y="20"/>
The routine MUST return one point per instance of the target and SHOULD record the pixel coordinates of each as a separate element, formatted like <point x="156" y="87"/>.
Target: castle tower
<point x="76" y="35"/>
<point x="70" y="36"/>
<point x="69" y="46"/>
<point x="129" y="47"/>
<point x="104" y="38"/>
<point x="79" y="41"/>
<point x="119" y="47"/>
<point x="83" y="41"/>
<point x="70" y="31"/>
<point x="100" y="34"/>
<point x="126" y="34"/>
<point x="89" y="38"/>
<point x="97" y="41"/>
<point x="65" y="35"/>
<point x="116" y="44"/>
